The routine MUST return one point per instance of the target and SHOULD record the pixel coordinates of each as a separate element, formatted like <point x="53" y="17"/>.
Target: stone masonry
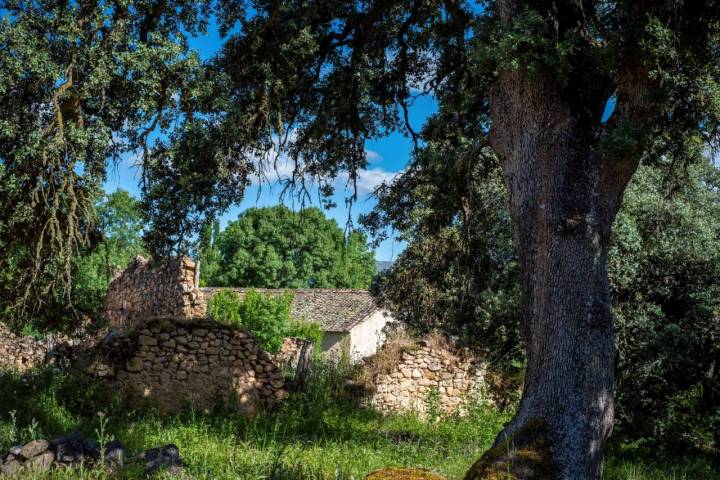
<point x="20" y="353"/>
<point x="424" y="368"/>
<point x="201" y="363"/>
<point x="150" y="289"/>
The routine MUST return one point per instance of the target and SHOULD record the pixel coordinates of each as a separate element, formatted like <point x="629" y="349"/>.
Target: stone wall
<point x="20" y="353"/>
<point x="175" y="364"/>
<point x="153" y="289"/>
<point x="421" y="372"/>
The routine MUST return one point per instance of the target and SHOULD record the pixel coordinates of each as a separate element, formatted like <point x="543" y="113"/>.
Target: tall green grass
<point x="318" y="433"/>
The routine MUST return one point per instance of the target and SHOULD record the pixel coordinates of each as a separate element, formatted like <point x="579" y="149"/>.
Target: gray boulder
<point x="163" y="458"/>
<point x="34" y="448"/>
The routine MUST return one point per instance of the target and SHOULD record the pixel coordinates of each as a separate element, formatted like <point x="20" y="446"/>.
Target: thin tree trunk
<point x="563" y="199"/>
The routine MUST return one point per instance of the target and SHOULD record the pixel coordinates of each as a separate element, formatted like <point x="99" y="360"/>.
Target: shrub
<point x="267" y="317"/>
<point x="307" y="330"/>
<point x="224" y="307"/>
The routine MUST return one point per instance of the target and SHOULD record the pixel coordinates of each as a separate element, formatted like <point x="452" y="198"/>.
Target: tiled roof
<point x="335" y="310"/>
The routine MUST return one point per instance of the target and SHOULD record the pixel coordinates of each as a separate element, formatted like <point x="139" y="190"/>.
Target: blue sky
<point x="387" y="156"/>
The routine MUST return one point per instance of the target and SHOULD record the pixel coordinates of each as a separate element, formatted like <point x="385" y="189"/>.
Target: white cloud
<point x="372" y="178"/>
<point x="278" y="167"/>
<point x="368" y="179"/>
<point x="372" y="156"/>
<point x="273" y="171"/>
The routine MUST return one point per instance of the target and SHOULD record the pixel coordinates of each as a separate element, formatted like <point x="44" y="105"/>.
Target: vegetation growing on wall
<point x="267" y="317"/>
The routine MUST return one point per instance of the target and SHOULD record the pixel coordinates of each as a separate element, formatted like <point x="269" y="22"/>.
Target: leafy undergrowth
<point x="312" y="436"/>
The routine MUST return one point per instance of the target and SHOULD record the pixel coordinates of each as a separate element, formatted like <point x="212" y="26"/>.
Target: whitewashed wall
<point x="368" y="336"/>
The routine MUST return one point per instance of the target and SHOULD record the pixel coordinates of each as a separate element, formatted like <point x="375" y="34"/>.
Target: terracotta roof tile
<point x="335" y="310"/>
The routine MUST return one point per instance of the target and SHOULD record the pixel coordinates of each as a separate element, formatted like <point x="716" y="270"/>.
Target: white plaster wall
<point x="367" y="336"/>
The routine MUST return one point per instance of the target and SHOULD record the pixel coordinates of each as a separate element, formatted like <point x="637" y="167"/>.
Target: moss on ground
<point x="525" y="454"/>
<point x="403" y="474"/>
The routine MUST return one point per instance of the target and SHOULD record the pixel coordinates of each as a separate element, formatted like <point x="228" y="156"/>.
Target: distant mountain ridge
<point x="382" y="265"/>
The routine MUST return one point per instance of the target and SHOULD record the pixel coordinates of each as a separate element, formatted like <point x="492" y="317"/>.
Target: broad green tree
<point x="120" y="229"/>
<point x="275" y="247"/>
<point x="121" y="226"/>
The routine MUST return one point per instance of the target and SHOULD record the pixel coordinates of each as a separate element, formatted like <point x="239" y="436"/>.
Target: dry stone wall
<point x="20" y="353"/>
<point x="153" y="289"/>
<point x="425" y="373"/>
<point x="201" y="363"/>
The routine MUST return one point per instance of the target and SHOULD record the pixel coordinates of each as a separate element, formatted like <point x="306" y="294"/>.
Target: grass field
<point x="312" y="436"/>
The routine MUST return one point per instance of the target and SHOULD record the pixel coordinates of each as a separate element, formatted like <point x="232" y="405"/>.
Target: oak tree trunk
<point x="563" y="199"/>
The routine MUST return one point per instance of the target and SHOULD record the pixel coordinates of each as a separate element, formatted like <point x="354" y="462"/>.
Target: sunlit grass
<point x="312" y="436"/>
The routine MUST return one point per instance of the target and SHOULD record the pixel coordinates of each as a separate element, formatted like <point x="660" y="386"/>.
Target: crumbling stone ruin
<point x="176" y="364"/>
<point x="149" y="289"/>
<point x="20" y="353"/>
<point x="161" y="347"/>
<point x="411" y="375"/>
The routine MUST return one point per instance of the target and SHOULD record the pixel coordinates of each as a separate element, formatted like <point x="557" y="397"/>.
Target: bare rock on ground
<point x="403" y="474"/>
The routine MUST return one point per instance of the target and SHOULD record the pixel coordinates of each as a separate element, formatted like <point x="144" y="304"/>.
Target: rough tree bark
<point x="564" y="196"/>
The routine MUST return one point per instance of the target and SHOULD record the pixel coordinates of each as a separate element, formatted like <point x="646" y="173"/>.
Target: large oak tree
<point x="525" y="83"/>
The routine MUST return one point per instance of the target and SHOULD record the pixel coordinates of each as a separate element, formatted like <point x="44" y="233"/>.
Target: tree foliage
<point x="313" y="79"/>
<point x="81" y="83"/>
<point x="119" y="241"/>
<point x="267" y="317"/>
<point x="120" y="227"/>
<point x="275" y="247"/>
<point x="459" y="275"/>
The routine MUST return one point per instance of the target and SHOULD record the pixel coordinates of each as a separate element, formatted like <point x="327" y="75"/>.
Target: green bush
<point x="267" y="317"/>
<point x="224" y="307"/>
<point x="307" y="330"/>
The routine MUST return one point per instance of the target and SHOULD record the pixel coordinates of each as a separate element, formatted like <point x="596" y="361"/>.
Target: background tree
<point x="459" y="273"/>
<point x="120" y="227"/>
<point x="119" y="239"/>
<point x="82" y="82"/>
<point x="275" y="247"/>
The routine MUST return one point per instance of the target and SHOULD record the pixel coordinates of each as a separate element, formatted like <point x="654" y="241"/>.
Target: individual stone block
<point x="34" y="448"/>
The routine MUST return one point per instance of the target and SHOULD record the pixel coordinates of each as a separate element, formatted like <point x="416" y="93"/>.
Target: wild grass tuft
<point x="316" y="434"/>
